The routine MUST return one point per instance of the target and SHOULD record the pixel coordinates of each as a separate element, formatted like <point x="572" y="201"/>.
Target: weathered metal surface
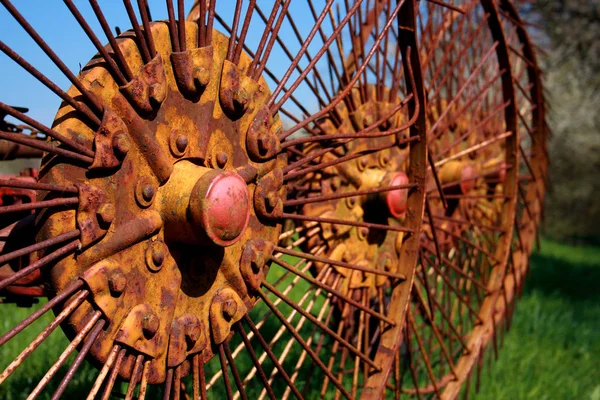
<point x="194" y="205"/>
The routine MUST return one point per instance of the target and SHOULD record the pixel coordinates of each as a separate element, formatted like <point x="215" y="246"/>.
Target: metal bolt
<point x="192" y="334"/>
<point x="117" y="283"/>
<point x="121" y="144"/>
<point x="386" y="264"/>
<point x="264" y="143"/>
<point x="150" y="325"/>
<point x="202" y="75"/>
<point x="240" y="98"/>
<point x="106" y="213"/>
<point x="145" y="191"/>
<point x="258" y="261"/>
<point x="155" y="94"/>
<point x="229" y="308"/>
<point x="181" y="143"/>
<point x="336" y="182"/>
<point x="155" y="255"/>
<point x="272" y="199"/>
<point x="148" y="192"/>
<point x="158" y="257"/>
<point x="222" y="159"/>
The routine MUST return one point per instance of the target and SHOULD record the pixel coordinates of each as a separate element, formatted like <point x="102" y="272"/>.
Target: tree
<point x="570" y="30"/>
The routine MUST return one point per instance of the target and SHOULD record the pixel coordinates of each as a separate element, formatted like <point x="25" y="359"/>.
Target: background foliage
<point x="569" y="31"/>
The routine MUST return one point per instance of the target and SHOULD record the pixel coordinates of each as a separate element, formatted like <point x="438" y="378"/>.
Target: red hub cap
<point x="396" y="199"/>
<point x="466" y="183"/>
<point x="221" y="204"/>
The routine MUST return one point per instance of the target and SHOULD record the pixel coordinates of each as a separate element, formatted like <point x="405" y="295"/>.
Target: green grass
<point x="26" y="377"/>
<point x="552" y="350"/>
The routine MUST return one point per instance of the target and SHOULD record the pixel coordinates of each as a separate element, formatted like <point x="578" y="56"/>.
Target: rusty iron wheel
<point x="532" y="171"/>
<point x="471" y="197"/>
<point x="533" y="160"/>
<point x="486" y="340"/>
<point x="379" y="185"/>
<point x="170" y="231"/>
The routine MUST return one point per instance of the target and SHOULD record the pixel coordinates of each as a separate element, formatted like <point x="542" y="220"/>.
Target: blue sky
<point x="59" y="29"/>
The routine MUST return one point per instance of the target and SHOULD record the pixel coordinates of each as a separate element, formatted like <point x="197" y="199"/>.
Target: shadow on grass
<point x="552" y="348"/>
<point x="553" y="275"/>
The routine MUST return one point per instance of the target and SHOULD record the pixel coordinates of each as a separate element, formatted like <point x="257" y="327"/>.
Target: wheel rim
<point x="533" y="164"/>
<point x="471" y="199"/>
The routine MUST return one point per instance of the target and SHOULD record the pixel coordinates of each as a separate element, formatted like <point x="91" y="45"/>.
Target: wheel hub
<point x="383" y="166"/>
<point x="205" y="206"/>
<point x="175" y="212"/>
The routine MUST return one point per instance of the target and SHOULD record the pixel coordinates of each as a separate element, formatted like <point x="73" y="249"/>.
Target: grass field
<point x="552" y="350"/>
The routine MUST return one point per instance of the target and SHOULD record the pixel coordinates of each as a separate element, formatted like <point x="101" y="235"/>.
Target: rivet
<point x="384" y="159"/>
<point x="156" y="252"/>
<point x="145" y="191"/>
<point x="362" y="163"/>
<point x="222" y="159"/>
<point x="148" y="192"/>
<point x="181" y="142"/>
<point x="158" y="257"/>
<point x="351" y="202"/>
<point x="363" y="232"/>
